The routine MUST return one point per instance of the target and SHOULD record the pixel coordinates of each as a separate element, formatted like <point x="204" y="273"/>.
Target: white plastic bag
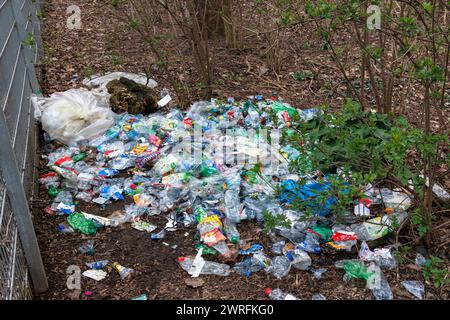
<point x="74" y="115"/>
<point x="97" y="84"/>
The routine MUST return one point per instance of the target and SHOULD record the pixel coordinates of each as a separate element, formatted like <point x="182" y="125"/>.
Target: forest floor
<point x="104" y="44"/>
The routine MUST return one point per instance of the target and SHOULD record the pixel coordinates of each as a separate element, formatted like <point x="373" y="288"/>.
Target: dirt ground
<point x="104" y="45"/>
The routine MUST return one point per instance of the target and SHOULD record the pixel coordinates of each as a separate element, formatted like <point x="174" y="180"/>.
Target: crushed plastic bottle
<point x="317" y="273"/>
<point x="378" y="284"/>
<point x="416" y="288"/>
<point x="299" y="259"/>
<point x="87" y="248"/>
<point x="381" y="256"/>
<point x="231" y="231"/>
<point x="158" y="236"/>
<point x="65" y="228"/>
<point x="356" y="269"/>
<point x="97" y="265"/>
<point x="278" y="294"/>
<point x="209" y="267"/>
<point x="310" y="244"/>
<point x="280" y="267"/>
<point x="123" y="271"/>
<point x="318" y="296"/>
<point x="277" y="248"/>
<point x="232" y="206"/>
<point x="420" y="260"/>
<point x="63" y="203"/>
<point x="248" y="266"/>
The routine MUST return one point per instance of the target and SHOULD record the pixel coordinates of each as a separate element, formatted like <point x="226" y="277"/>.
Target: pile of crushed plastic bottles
<point x="186" y="165"/>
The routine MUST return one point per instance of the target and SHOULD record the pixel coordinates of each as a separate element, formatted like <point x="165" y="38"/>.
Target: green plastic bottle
<point x="78" y="157"/>
<point x="206" y="249"/>
<point x="53" y="192"/>
<point x="78" y="222"/>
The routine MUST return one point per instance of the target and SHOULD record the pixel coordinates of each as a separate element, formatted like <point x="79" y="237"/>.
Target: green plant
<point x="303" y="75"/>
<point x="117" y="60"/>
<point x="354" y="148"/>
<point x="401" y="253"/>
<point x="29" y="40"/>
<point x="273" y="221"/>
<point x="88" y="72"/>
<point x="435" y="270"/>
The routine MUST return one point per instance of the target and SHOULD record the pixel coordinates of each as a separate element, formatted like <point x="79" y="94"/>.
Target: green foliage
<point x="374" y="52"/>
<point x="320" y="9"/>
<point x="366" y="147"/>
<point x="435" y="270"/>
<point x="271" y="222"/>
<point x="401" y="253"/>
<point x="117" y="60"/>
<point x="350" y="10"/>
<point x="29" y="41"/>
<point x="303" y="75"/>
<point x="286" y="18"/>
<point x="428" y="71"/>
<point x="428" y="7"/>
<point x="409" y="26"/>
<point x="420" y="222"/>
<point x="88" y="72"/>
<point x="134" y="24"/>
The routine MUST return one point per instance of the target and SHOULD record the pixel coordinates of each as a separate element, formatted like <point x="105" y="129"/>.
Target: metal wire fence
<point x="19" y="46"/>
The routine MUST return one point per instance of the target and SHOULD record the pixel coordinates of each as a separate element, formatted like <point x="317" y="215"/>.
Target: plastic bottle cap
<point x="267" y="291"/>
<point x="181" y="259"/>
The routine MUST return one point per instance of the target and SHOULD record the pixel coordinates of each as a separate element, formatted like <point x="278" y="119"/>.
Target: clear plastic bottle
<point x="231" y="231"/>
<point x="263" y="260"/>
<point x="278" y="294"/>
<point x="378" y="284"/>
<point x="123" y="271"/>
<point x="232" y="206"/>
<point x="209" y="267"/>
<point x="65" y="228"/>
<point x="310" y="244"/>
<point x="248" y="266"/>
<point x="299" y="259"/>
<point x="280" y="267"/>
<point x="97" y="265"/>
<point x="222" y="248"/>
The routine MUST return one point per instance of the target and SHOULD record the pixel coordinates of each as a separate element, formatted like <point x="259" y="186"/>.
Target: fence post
<point x="20" y="209"/>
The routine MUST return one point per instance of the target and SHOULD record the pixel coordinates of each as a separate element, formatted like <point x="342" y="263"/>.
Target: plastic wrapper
<point x="416" y="288"/>
<point x="381" y="256"/>
<point x="74" y="115"/>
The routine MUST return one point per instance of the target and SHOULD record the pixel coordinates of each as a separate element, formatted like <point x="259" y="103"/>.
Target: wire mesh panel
<point x="19" y="40"/>
<point x="14" y="278"/>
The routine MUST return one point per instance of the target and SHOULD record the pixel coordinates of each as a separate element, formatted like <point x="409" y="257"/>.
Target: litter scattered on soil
<point x="192" y="191"/>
